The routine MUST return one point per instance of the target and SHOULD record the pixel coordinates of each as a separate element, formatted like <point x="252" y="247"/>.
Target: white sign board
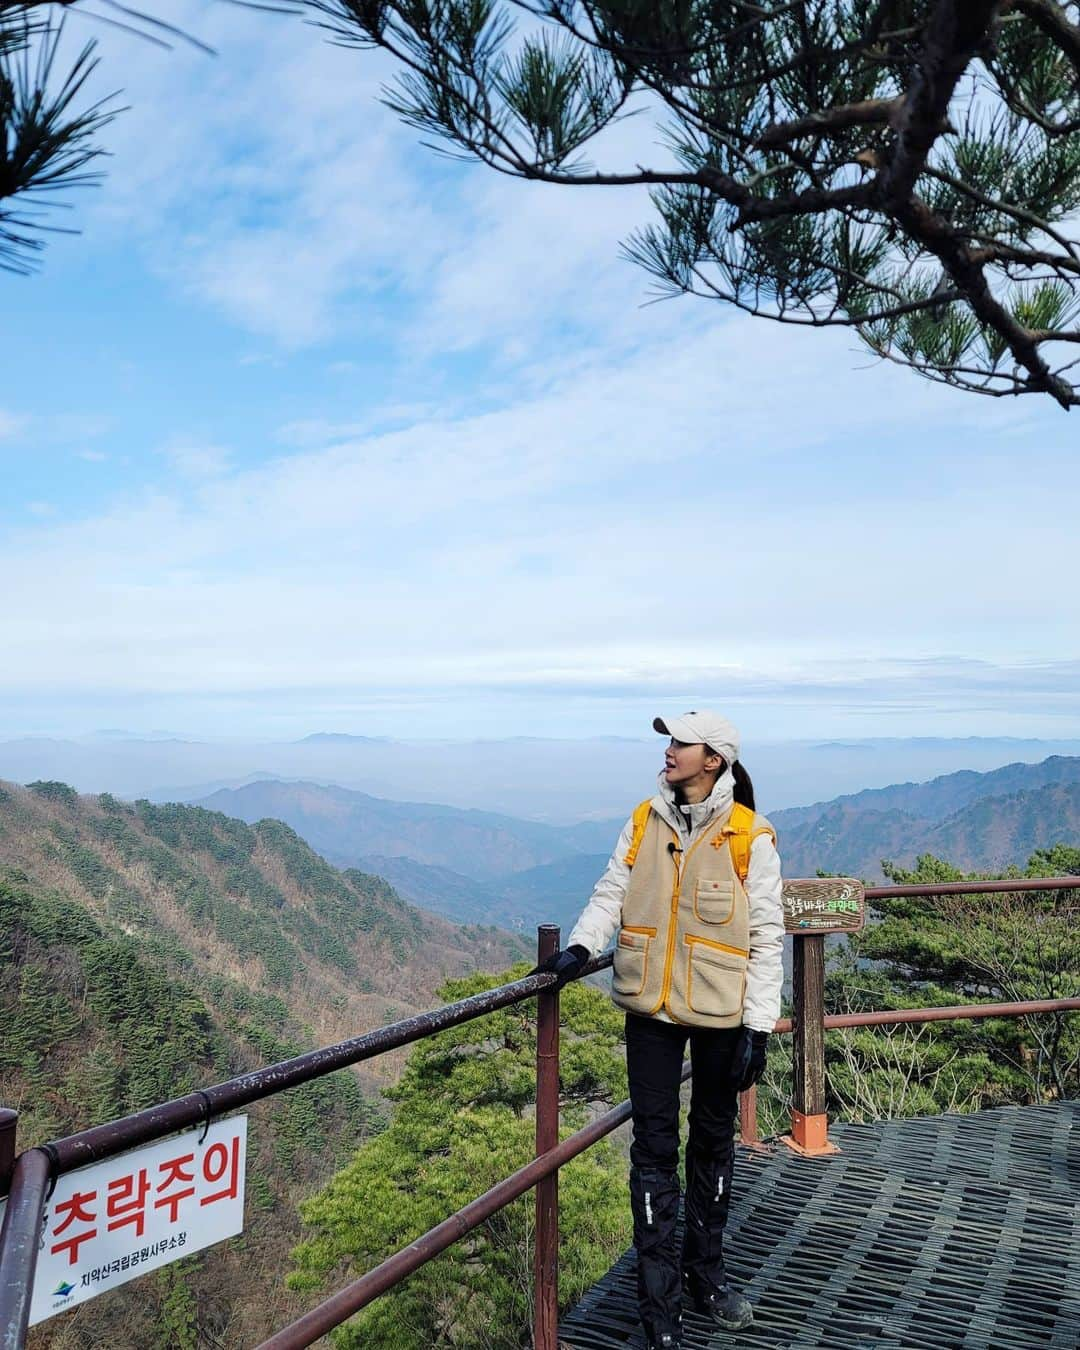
<point x="110" y="1222"/>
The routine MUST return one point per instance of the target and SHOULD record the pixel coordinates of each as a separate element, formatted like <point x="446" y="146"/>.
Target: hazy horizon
<point x="557" y="780"/>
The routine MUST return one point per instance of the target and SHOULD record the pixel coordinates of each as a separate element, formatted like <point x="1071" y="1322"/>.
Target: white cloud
<point x="196" y="461"/>
<point x="286" y="196"/>
<point x="282" y="189"/>
<point x="10" y="424"/>
<point x="645" y="523"/>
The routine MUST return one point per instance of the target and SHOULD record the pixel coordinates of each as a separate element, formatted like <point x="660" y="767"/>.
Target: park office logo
<point x="62" y="1292"/>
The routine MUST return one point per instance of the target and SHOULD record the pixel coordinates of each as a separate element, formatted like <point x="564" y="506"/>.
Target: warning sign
<point x="110" y="1222"/>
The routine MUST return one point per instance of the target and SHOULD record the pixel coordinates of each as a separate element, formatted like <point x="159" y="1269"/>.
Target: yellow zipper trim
<point x="691" y="938"/>
<point x="665" y="988"/>
<point x="670" y="951"/>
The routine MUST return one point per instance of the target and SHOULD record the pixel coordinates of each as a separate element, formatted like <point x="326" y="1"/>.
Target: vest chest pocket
<point x="716" y="979"/>
<point x="631" y="965"/>
<point x="714" y="901"/>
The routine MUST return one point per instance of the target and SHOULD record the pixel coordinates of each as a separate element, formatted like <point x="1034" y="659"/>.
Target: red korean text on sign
<point x="173" y="1168"/>
<point x="74" y="1211"/>
<point x="217" y="1161"/>
<point x="127" y="1201"/>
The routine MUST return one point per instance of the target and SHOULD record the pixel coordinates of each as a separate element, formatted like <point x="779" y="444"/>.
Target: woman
<point x="693" y="892"/>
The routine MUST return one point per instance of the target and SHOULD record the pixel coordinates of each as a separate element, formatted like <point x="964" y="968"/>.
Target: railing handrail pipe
<point x="154" y="1122"/>
<point x="997" y="887"/>
<point x="952" y="1012"/>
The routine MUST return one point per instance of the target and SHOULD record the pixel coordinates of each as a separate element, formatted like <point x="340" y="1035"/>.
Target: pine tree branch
<point x="763" y="110"/>
<point x="830" y="320"/>
<point x="868" y="113"/>
<point x="938" y="238"/>
<point x="1019" y="213"/>
<point x="1051" y="19"/>
<point x="954" y="35"/>
<point x="811" y="202"/>
<point x="45" y="145"/>
<point x="1027" y="257"/>
<point x="1019" y="104"/>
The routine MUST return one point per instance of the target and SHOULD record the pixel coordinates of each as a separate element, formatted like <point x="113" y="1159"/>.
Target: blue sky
<point x="310" y="429"/>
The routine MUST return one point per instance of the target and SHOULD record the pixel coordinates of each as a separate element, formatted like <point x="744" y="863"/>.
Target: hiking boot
<point x="670" y="1340"/>
<point x="726" y="1306"/>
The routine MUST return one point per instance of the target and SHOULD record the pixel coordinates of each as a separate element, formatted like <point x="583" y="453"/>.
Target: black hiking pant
<point x="654" y="1059"/>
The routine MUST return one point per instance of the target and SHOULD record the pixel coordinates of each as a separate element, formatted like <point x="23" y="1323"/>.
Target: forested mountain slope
<point x="97" y="1023"/>
<point x="254" y="903"/>
<point x="148" y="950"/>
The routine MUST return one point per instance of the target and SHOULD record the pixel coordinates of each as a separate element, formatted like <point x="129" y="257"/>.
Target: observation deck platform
<point x="934" y="1233"/>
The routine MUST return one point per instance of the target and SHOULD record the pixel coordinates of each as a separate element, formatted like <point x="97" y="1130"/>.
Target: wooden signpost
<point x="824" y="905"/>
<point x="813" y="908"/>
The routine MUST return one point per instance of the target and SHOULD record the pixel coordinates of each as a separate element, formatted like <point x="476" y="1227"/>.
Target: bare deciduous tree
<point x="898" y="1071"/>
<point x="1028" y="947"/>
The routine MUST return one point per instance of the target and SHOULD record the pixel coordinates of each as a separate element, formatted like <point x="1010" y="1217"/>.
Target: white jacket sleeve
<point x="765" y="969"/>
<point x="601" y="917"/>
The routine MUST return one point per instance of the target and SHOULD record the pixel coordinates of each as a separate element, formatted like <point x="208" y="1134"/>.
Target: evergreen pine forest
<point x="149" y="950"/>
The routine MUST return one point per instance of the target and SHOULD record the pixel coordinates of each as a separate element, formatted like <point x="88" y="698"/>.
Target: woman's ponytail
<point x="744" y="789"/>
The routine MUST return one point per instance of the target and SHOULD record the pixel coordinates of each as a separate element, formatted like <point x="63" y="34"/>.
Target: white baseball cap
<point x="702" y="728"/>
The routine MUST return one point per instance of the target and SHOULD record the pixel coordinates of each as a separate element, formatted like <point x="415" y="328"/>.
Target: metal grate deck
<point x="938" y="1233"/>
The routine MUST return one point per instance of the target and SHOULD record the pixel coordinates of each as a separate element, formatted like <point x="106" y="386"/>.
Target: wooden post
<point x="813" y="907"/>
<point x="546" y="1257"/>
<point x="8" y="1123"/>
<point x="809" y="1123"/>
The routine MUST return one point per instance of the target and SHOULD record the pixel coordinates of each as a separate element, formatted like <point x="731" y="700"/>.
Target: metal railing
<point x="27" y="1178"/>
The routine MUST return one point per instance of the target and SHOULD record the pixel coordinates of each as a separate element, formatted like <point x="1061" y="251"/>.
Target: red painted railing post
<point x="19" y="1235"/>
<point x="8" y="1122"/>
<point x="546" y="1262"/>
<point x="748" y="1132"/>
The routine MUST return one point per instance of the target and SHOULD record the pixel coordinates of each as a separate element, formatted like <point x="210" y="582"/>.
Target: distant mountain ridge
<point x="483" y="867"/>
<point x="976" y="821"/>
<point x="346" y="827"/>
<point x="944" y="795"/>
<point x="341" y="738"/>
<point x="548" y="893"/>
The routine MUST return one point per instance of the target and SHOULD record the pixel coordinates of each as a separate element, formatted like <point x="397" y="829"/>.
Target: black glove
<point x="567" y="964"/>
<point x="748" y="1059"/>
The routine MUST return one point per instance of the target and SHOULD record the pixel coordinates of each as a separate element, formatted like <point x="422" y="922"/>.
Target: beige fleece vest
<point x="685" y="938"/>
